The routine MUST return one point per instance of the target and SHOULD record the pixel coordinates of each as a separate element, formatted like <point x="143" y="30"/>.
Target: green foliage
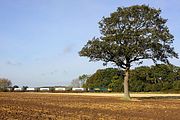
<point x="176" y="85"/>
<point x="143" y="79"/>
<point x="137" y="85"/>
<point x="152" y="87"/>
<point x="116" y="84"/>
<point x="102" y="78"/>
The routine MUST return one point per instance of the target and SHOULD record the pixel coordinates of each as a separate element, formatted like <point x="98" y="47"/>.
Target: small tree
<point x="75" y="83"/>
<point x="4" y="83"/>
<point x="130" y="35"/>
<point x="83" y="78"/>
<point x="15" y="86"/>
<point x="24" y="88"/>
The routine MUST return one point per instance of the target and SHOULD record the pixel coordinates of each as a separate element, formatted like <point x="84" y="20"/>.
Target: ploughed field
<point x="47" y="106"/>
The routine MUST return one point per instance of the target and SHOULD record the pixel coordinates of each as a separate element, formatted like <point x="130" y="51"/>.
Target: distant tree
<point x="15" y="86"/>
<point x="75" y="83"/>
<point x="4" y="83"/>
<point x="83" y="78"/>
<point x="130" y="35"/>
<point x="24" y="87"/>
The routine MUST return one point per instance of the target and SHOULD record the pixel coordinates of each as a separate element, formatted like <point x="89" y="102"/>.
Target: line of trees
<point x="160" y="77"/>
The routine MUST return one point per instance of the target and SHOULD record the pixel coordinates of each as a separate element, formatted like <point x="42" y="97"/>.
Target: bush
<point x="136" y="86"/>
<point x="167" y="86"/>
<point x="176" y="85"/>
<point x="153" y="87"/>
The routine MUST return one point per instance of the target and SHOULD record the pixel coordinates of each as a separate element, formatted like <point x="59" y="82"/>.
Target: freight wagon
<point x="18" y="89"/>
<point x="62" y="89"/>
<point x="31" y="89"/>
<point x="44" y="89"/>
<point x="79" y="89"/>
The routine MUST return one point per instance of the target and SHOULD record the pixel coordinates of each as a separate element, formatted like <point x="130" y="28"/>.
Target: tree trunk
<point x="126" y="86"/>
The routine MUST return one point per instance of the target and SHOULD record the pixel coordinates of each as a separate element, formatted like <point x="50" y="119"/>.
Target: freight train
<point x="58" y="89"/>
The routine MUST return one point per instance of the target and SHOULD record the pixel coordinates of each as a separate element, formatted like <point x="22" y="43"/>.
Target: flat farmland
<point x="88" y="106"/>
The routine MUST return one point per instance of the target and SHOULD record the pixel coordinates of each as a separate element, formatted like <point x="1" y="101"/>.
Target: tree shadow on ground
<point x="158" y="97"/>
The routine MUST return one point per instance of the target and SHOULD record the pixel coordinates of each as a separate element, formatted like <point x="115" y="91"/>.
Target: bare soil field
<point x="88" y="106"/>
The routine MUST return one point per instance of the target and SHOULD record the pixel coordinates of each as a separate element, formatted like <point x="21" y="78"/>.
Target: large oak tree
<point x="131" y="34"/>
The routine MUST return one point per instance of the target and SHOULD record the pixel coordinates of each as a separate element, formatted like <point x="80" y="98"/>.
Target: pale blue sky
<point x="40" y="39"/>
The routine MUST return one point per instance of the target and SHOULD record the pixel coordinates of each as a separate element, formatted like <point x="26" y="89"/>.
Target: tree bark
<point x="126" y="85"/>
